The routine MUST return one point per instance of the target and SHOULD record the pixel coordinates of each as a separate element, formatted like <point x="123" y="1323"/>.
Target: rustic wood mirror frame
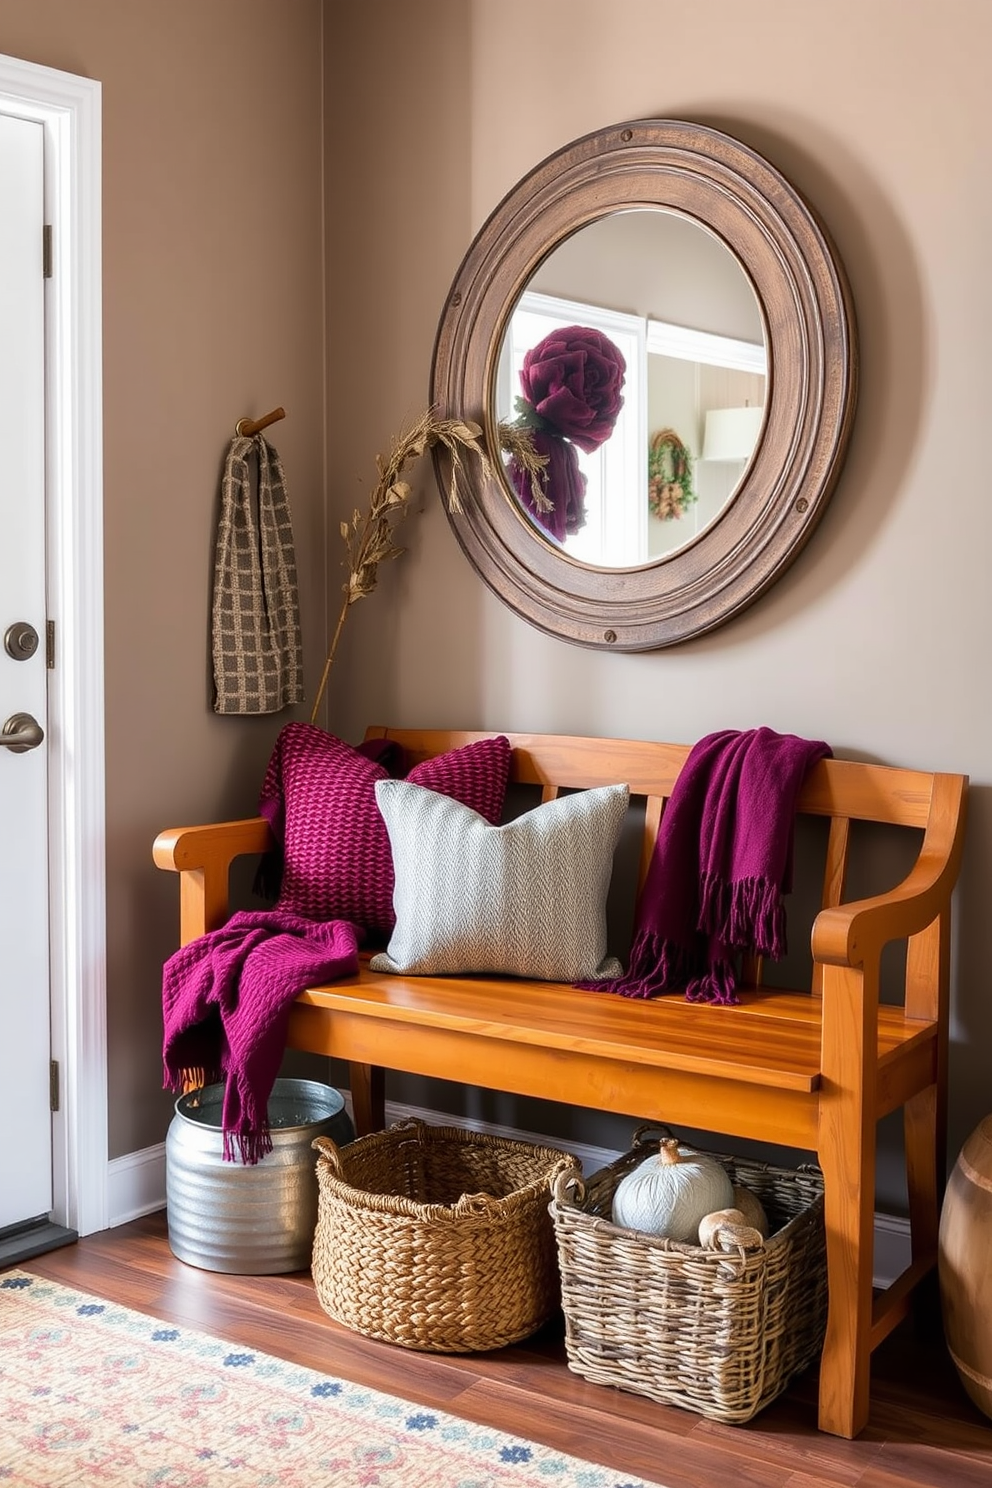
<point x="810" y="338"/>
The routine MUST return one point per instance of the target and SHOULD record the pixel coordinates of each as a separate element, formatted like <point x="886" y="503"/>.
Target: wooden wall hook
<point x="247" y="427"/>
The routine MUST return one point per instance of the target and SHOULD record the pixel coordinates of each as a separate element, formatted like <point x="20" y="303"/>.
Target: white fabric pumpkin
<point x="752" y="1209"/>
<point x="670" y="1192"/>
<point x="726" y="1229"/>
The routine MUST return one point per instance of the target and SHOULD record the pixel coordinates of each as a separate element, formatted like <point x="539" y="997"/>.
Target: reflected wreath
<point x="670" y="490"/>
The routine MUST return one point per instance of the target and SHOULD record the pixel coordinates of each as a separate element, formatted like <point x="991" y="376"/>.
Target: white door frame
<point x="69" y="107"/>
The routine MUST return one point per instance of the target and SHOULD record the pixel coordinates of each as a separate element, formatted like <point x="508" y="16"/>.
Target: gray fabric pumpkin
<point x="670" y="1192"/>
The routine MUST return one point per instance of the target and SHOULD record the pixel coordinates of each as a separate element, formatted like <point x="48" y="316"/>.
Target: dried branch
<point x="368" y="537"/>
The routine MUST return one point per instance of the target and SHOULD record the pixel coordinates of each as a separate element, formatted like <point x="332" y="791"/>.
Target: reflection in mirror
<point x="563" y="364"/>
<point x="643" y="327"/>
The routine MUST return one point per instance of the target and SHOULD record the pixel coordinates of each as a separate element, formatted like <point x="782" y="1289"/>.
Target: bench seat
<point x="772" y="1039"/>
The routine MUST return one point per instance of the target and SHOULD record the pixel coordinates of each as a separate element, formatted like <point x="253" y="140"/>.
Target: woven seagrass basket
<point x="436" y="1238"/>
<point x="721" y="1332"/>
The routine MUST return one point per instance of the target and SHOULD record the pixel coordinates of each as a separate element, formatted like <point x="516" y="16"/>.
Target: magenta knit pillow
<point x="318" y="796"/>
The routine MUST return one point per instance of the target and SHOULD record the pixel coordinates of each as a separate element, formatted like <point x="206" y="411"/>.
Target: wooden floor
<point x="923" y="1429"/>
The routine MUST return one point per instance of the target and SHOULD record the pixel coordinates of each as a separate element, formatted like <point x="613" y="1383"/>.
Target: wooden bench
<point x="814" y="1069"/>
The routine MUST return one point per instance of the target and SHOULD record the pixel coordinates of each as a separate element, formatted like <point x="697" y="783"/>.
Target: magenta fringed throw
<point x="721" y="865"/>
<point x="226" y="999"/>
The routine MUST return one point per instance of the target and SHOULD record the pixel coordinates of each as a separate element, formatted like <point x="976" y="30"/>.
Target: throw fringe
<point x="747" y="913"/>
<point x="655" y="966"/>
<point x="248" y="1146"/>
<point x="717" y="985"/>
<point x="183" y="1078"/>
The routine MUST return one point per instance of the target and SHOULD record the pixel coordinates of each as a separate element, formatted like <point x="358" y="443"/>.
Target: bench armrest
<point x="853" y="934"/>
<point x="202" y="856"/>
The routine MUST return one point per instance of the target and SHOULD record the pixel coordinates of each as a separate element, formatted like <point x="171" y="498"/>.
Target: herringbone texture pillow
<point x="319" y="798"/>
<point x="527" y="898"/>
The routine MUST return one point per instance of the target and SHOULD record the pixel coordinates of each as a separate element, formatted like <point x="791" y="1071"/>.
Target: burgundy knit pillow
<point x="318" y="796"/>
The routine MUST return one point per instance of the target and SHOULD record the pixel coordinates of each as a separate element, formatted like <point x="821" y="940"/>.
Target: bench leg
<point x="928" y="972"/>
<point x="846" y="1151"/>
<point x="925" y="1173"/>
<point x="845" y="1361"/>
<point x="368" y="1097"/>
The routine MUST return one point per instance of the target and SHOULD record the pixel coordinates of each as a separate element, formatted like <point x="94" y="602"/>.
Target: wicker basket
<point x="436" y="1238"/>
<point x="721" y="1332"/>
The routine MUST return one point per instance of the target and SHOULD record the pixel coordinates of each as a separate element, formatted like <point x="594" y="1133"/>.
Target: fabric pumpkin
<point x="670" y="1192"/>
<point x="752" y="1209"/>
<point x="727" y="1229"/>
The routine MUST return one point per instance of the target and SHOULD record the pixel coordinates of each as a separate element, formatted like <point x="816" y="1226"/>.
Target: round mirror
<point x="663" y="362"/>
<point x="657" y="338"/>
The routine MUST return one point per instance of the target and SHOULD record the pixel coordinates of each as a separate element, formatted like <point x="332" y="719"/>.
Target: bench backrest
<point x="844" y="791"/>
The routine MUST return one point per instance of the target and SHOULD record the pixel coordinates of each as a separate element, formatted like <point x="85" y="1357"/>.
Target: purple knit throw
<point x="226" y="999"/>
<point x="721" y="865"/>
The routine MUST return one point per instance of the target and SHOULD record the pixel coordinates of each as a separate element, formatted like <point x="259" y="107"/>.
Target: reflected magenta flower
<point x="565" y="487"/>
<point x="573" y="380"/>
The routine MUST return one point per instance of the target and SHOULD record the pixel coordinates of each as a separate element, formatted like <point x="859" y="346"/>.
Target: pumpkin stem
<point x="668" y="1151"/>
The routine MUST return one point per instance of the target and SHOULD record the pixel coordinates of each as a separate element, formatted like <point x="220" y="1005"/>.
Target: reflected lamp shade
<point x="731" y="433"/>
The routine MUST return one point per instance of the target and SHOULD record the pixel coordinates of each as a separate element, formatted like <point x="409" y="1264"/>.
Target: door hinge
<point x="50" y="645"/>
<point x="46" y="251"/>
<point x="53" y="1084"/>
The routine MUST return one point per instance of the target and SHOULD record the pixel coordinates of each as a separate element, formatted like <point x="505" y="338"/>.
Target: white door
<point x="25" y="1019"/>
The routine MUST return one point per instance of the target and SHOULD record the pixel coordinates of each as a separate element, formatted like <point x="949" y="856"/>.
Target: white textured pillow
<point x="527" y="898"/>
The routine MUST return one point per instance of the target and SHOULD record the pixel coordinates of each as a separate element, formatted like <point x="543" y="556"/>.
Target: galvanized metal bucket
<point x="254" y="1220"/>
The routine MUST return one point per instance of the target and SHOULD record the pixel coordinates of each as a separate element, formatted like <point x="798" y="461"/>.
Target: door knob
<point x="21" y="732"/>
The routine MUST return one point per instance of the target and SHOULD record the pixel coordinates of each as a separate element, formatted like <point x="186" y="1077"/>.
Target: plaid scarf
<point x="257" y="650"/>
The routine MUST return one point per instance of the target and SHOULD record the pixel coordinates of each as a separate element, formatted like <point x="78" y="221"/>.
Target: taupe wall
<point x="216" y="238"/>
<point x="878" y="638"/>
<point x="212" y="294"/>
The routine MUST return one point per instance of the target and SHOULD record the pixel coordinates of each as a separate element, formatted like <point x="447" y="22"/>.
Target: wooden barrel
<point x="965" y="1265"/>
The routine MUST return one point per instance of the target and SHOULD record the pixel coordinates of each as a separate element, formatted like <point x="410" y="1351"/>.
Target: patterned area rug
<point x="95" y="1393"/>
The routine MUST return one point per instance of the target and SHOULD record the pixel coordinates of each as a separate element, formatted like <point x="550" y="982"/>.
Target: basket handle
<point x="567" y="1185"/>
<point x="481" y="1205"/>
<point x="484" y="1204"/>
<point x="661" y="1131"/>
<point x="329" y="1155"/>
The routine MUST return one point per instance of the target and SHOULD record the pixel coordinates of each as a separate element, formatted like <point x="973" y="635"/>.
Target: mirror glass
<point x="636" y="358"/>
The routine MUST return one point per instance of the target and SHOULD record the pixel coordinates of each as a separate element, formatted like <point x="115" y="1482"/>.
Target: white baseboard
<point x="893" y="1248"/>
<point x="136" y="1183"/>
